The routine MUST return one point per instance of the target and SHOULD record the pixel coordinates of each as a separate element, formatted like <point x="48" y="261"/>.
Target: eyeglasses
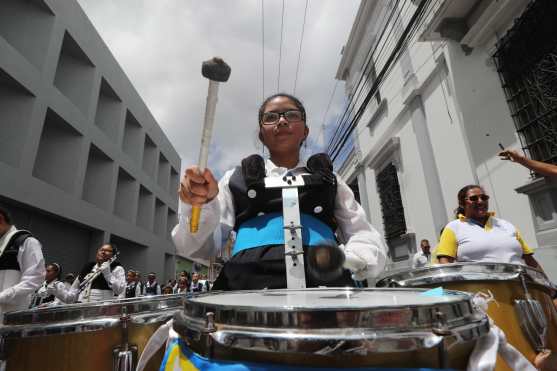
<point x="475" y="198"/>
<point x="272" y="118"/>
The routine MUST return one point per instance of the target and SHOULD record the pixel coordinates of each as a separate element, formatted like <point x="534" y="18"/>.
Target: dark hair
<point x="296" y="101"/>
<point x="113" y="246"/>
<point x="58" y="269"/>
<point x="6" y="215"/>
<point x="462" y="196"/>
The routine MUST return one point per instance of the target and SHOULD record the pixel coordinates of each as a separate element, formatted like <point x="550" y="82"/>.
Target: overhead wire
<point x="345" y="125"/>
<point x="280" y="48"/>
<point x="393" y="57"/>
<point x="263" y="48"/>
<point x="300" y="50"/>
<point x="363" y="77"/>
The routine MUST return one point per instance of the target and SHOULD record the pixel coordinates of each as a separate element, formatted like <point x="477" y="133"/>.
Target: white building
<point x="436" y="122"/>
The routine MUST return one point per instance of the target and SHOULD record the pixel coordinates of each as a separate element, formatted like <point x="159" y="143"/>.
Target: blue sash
<point x="268" y="229"/>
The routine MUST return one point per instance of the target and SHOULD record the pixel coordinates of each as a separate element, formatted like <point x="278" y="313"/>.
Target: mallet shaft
<point x="206" y="134"/>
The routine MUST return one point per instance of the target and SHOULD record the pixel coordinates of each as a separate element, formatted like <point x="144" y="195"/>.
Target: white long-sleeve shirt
<point x="18" y="286"/>
<point x="364" y="247"/>
<point x="116" y="280"/>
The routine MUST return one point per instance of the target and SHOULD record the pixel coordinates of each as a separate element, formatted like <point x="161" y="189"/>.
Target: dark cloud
<point x="161" y="44"/>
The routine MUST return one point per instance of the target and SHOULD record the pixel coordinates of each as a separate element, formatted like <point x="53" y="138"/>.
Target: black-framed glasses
<point x="475" y="198"/>
<point x="271" y="118"/>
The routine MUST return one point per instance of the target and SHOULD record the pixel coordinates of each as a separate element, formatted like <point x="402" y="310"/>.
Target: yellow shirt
<point x="467" y="241"/>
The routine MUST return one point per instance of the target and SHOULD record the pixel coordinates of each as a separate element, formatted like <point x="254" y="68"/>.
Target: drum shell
<point x="84" y="336"/>
<point x="503" y="312"/>
<point x="503" y="282"/>
<point x="92" y="351"/>
<point x="424" y="358"/>
<point x="364" y="335"/>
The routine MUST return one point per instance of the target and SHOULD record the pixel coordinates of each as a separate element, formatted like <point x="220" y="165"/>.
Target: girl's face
<point x="51" y="273"/>
<point x="282" y="136"/>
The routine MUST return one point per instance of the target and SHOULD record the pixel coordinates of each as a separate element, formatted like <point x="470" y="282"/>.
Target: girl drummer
<point x="478" y="236"/>
<point x="227" y="206"/>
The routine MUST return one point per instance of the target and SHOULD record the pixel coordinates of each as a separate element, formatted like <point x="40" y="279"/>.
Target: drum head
<point x="442" y="273"/>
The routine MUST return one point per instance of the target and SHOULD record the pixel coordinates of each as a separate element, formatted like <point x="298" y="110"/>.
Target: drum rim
<point x="484" y="271"/>
<point x="81" y="312"/>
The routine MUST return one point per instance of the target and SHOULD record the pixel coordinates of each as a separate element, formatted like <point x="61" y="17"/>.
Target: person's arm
<point x="115" y="278"/>
<point x="447" y="248"/>
<point x="31" y="262"/>
<point x="219" y="211"/>
<point x="137" y="290"/>
<point x="364" y="247"/>
<point x="64" y="295"/>
<point x="539" y="167"/>
<point x="527" y="253"/>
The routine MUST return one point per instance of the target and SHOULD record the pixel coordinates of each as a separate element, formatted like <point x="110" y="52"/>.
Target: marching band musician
<point x="52" y="279"/>
<point x="133" y="288"/>
<point x="227" y="206"/>
<point x="103" y="279"/>
<point x="21" y="265"/>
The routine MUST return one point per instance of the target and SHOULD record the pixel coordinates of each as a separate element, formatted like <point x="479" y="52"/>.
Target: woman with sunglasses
<point x="236" y="204"/>
<point x="476" y="235"/>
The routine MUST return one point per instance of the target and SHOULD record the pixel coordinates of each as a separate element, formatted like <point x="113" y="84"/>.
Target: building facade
<point x="82" y="159"/>
<point x="436" y="122"/>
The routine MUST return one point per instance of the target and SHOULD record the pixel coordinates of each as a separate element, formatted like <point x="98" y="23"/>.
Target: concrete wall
<point x="82" y="159"/>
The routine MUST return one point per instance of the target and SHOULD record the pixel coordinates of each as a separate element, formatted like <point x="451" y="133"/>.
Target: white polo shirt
<point x="467" y="241"/>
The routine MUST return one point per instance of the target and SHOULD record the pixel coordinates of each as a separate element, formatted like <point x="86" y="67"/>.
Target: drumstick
<point x="216" y="70"/>
<point x="325" y="262"/>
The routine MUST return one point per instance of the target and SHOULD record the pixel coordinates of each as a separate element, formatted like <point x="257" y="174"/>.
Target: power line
<point x="300" y="51"/>
<point x="280" y="49"/>
<point x="406" y="35"/>
<point x="263" y="48"/>
<point x="362" y="79"/>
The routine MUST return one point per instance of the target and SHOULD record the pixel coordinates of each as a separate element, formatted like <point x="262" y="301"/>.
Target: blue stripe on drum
<point x="268" y="229"/>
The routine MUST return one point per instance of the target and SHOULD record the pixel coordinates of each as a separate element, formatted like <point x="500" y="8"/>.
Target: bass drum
<point x="331" y="327"/>
<point x="107" y="335"/>
<point x="522" y="305"/>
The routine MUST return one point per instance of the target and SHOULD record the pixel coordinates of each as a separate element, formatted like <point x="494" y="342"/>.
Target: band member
<point x="151" y="286"/>
<point x="133" y="288"/>
<point x="22" y="267"/>
<point x="52" y="279"/>
<point x="103" y="279"/>
<point x="196" y="284"/>
<point x="478" y="236"/>
<point x="258" y="262"/>
<point x="182" y="286"/>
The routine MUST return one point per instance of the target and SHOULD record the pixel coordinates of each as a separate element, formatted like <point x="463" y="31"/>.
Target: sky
<point x="161" y="44"/>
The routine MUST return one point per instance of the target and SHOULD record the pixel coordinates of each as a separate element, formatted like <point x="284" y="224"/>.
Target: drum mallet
<point x="216" y="70"/>
<point x="325" y="262"/>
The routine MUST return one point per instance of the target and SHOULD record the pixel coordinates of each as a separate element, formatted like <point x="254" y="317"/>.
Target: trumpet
<point x="90" y="277"/>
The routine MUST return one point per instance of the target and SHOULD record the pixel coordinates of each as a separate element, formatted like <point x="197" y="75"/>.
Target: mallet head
<point x="216" y="69"/>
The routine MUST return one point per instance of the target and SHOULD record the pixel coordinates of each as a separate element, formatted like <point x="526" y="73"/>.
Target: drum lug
<point x="207" y="331"/>
<point x="533" y="322"/>
<point x="441" y="328"/>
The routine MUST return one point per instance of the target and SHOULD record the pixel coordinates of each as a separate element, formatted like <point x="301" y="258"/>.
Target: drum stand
<point x="124" y="357"/>
<point x="293" y="248"/>
<point x="532" y="317"/>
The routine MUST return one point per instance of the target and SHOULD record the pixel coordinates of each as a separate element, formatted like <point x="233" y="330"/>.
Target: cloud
<point x="161" y="44"/>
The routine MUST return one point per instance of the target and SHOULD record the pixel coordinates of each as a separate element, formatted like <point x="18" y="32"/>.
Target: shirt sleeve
<point x="447" y="244"/>
<point x="216" y="213"/>
<point x="31" y="262"/>
<point x="526" y="250"/>
<point x="117" y="280"/>
<point x="364" y="247"/>
<point x="70" y="295"/>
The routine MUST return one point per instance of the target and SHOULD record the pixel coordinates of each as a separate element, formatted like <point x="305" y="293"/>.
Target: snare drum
<point x="332" y="327"/>
<point x="522" y="308"/>
<point x="106" y="335"/>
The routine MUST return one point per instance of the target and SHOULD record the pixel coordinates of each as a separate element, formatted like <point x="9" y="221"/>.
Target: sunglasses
<point x="271" y="118"/>
<point x="475" y="198"/>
